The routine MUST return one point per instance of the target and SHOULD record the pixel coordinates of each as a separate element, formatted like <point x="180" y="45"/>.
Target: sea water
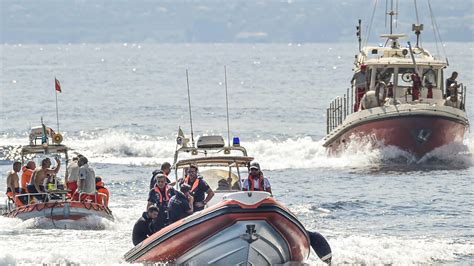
<point x="121" y="106"/>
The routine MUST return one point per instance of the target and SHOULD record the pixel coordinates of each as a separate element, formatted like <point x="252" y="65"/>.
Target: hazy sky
<point x="78" y="21"/>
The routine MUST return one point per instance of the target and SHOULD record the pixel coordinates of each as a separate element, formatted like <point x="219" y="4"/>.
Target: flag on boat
<point x="57" y="85"/>
<point x="180" y="138"/>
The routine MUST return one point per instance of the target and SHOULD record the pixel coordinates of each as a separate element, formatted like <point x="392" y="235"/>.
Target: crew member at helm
<point x="256" y="181"/>
<point x="199" y="188"/>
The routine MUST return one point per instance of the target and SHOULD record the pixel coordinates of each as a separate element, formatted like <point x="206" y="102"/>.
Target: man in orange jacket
<point x="99" y="186"/>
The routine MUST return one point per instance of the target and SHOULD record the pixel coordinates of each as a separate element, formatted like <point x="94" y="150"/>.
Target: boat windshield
<point x="220" y="178"/>
<point x="39" y="157"/>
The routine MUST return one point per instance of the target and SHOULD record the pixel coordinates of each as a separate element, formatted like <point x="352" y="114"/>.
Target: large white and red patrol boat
<point x="405" y="104"/>
<point x="54" y="207"/>
<point x="238" y="227"/>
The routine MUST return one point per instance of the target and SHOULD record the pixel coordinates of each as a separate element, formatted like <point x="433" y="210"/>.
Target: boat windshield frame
<point x="219" y="157"/>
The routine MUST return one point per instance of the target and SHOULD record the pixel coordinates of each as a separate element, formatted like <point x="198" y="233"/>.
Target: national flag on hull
<point x="57" y="85"/>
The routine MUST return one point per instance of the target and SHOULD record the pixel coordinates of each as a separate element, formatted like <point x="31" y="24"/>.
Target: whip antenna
<point x="190" y="113"/>
<point x="227" y="105"/>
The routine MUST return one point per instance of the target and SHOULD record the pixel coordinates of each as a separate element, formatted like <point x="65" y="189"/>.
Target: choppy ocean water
<point x="121" y="107"/>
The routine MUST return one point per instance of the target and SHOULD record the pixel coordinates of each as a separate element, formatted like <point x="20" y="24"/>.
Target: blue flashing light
<point x="236" y="141"/>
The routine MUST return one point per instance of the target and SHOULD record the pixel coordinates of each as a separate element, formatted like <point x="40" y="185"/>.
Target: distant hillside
<point x="56" y="21"/>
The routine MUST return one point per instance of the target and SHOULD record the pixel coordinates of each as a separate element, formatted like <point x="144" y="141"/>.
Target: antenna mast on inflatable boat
<point x="190" y="113"/>
<point x="227" y="105"/>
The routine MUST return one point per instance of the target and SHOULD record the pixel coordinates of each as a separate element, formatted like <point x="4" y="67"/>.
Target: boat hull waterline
<point x="418" y="134"/>
<point x="61" y="210"/>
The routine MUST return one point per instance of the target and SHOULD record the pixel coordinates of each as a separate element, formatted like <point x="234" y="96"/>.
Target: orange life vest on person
<point x="260" y="183"/>
<point x="167" y="197"/>
<point x="99" y="186"/>
<point x="26" y="177"/>
<point x="195" y="184"/>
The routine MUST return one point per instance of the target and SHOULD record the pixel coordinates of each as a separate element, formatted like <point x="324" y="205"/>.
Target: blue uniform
<point x="178" y="207"/>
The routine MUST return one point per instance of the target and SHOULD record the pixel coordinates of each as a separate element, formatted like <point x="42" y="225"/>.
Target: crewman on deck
<point x="160" y="196"/>
<point x="143" y="228"/>
<point x="40" y="174"/>
<point x="181" y="204"/>
<point x="360" y="85"/>
<point x="26" y="175"/>
<point x="86" y="181"/>
<point x="13" y="184"/>
<point x="165" y="170"/>
<point x="73" y="174"/>
<point x="100" y="187"/>
<point x="450" y="81"/>
<point x="199" y="188"/>
<point x="256" y="181"/>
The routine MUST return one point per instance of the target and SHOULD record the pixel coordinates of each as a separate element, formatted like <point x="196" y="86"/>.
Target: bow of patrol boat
<point x="244" y="227"/>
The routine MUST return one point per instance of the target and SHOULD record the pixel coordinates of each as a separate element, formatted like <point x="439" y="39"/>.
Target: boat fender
<point x="321" y="246"/>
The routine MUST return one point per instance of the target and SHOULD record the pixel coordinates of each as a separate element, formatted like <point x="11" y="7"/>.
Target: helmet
<point x="254" y="165"/>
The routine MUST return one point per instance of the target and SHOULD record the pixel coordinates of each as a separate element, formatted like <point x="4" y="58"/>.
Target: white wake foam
<point x="132" y="149"/>
<point x="388" y="250"/>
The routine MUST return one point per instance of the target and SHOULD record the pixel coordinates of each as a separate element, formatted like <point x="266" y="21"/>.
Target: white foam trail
<point x="389" y="250"/>
<point x="132" y="149"/>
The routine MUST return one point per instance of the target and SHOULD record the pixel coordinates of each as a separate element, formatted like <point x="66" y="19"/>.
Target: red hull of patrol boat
<point x="416" y="134"/>
<point x="61" y="210"/>
<point x="173" y="243"/>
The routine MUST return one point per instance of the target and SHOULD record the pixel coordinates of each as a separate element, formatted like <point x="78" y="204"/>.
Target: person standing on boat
<point x="199" y="188"/>
<point x="13" y="183"/>
<point x="40" y="174"/>
<point x="159" y="196"/>
<point x="86" y="181"/>
<point x="143" y="228"/>
<point x="181" y="204"/>
<point x="360" y="85"/>
<point x="165" y="170"/>
<point x="451" y="80"/>
<point x="256" y="181"/>
<point x="73" y="174"/>
<point x="26" y="175"/>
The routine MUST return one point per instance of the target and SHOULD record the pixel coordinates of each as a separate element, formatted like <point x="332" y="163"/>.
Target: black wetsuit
<point x="142" y="229"/>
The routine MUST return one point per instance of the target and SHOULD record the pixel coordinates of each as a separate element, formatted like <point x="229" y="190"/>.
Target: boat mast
<point x="391" y="14"/>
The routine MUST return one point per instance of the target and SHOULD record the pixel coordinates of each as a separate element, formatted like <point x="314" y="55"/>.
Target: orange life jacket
<point x="167" y="197"/>
<point x="99" y="186"/>
<point x="26" y="177"/>
<point x="195" y="184"/>
<point x="260" y="183"/>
